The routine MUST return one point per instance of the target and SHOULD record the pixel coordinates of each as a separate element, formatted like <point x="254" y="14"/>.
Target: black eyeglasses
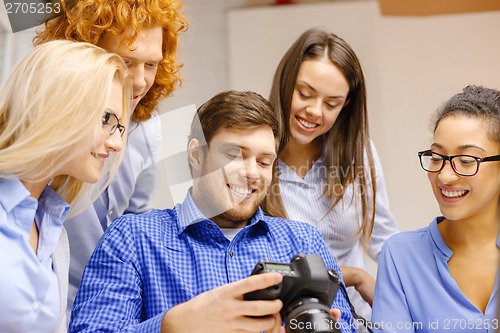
<point x="464" y="165"/>
<point x="111" y="122"/>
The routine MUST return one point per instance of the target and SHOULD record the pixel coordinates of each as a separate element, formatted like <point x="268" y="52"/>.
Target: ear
<point x="195" y="155"/>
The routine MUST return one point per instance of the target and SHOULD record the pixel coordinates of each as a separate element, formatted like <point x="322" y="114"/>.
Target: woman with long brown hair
<point x="328" y="173"/>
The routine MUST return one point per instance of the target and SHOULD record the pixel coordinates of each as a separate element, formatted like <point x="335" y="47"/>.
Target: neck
<point x="479" y="229"/>
<point x="35" y="188"/>
<point x="226" y="223"/>
<point x="301" y="157"/>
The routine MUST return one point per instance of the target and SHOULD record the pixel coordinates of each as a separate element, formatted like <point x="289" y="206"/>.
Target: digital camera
<point x="307" y="292"/>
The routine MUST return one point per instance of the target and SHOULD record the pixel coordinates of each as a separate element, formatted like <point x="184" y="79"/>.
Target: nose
<point x="114" y="142"/>
<point x="138" y="78"/>
<point x="447" y="174"/>
<point x="249" y="170"/>
<point x="313" y="111"/>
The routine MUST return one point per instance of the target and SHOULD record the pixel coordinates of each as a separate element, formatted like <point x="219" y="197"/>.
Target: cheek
<point x="150" y="78"/>
<point x="330" y="118"/>
<point x="267" y="176"/>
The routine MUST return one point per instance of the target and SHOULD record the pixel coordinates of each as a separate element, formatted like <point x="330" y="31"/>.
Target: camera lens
<point x="309" y="315"/>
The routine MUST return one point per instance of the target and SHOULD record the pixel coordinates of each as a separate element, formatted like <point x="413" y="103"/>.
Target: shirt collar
<point x="12" y="193"/>
<point x="189" y="214"/>
<point x="51" y="203"/>
<point x="438" y="240"/>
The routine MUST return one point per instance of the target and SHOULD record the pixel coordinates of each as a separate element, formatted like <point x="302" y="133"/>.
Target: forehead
<point x="258" y="140"/>
<point x="147" y="46"/>
<point x="460" y="130"/>
<point x="114" y="102"/>
<point x="322" y="74"/>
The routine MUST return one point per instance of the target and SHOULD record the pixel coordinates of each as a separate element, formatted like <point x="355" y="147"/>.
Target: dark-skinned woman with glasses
<point x="444" y="278"/>
<point x="60" y="130"/>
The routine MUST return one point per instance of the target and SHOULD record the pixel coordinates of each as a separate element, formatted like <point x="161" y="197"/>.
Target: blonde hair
<point x="51" y="110"/>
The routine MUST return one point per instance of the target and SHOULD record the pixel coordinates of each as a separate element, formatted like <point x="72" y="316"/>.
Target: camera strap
<point x="366" y="323"/>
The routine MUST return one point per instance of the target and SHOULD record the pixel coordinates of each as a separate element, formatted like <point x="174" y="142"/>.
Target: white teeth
<point x="453" y="194"/>
<point x="100" y="158"/>
<point x="243" y="191"/>
<point x="306" y="124"/>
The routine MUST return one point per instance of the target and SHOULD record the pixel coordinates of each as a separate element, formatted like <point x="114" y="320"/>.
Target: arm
<point x="223" y="309"/>
<point x="144" y="144"/>
<point x="110" y="294"/>
<point x="361" y="280"/>
<point x="385" y="224"/>
<point x="390" y="307"/>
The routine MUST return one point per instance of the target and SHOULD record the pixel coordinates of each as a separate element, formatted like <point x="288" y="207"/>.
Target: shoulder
<point x="136" y="227"/>
<point x="409" y="244"/>
<point x="146" y="132"/>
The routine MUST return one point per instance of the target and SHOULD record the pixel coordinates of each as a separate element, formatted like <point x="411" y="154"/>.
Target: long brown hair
<point x="347" y="142"/>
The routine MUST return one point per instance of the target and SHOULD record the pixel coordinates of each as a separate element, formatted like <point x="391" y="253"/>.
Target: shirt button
<point x="110" y="212"/>
<point x="231" y="253"/>
<point x="210" y="226"/>
<point x="34" y="305"/>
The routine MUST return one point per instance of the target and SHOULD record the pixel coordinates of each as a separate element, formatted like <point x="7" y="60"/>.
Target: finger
<point x="256" y="324"/>
<point x="278" y="327"/>
<point x="336" y="313"/>
<point x="252" y="283"/>
<point x="260" y="307"/>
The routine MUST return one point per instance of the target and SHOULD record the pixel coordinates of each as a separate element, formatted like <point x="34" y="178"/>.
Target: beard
<point x="241" y="212"/>
<point x="215" y="200"/>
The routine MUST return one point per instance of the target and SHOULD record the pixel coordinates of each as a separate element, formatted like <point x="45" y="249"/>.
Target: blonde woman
<point x="62" y="117"/>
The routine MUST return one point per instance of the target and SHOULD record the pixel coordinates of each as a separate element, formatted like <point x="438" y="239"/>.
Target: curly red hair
<point x="89" y="20"/>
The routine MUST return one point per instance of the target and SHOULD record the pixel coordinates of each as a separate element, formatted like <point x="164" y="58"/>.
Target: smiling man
<point x="186" y="269"/>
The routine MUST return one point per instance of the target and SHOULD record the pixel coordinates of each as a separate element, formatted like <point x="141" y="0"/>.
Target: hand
<point x="336" y="314"/>
<point x="361" y="280"/>
<point x="223" y="309"/>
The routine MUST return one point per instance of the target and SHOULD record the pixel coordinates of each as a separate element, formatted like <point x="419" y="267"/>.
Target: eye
<point x="330" y="106"/>
<point x="105" y="118"/>
<point x="467" y="160"/>
<point x="233" y="155"/>
<point x="303" y="94"/>
<point x="152" y="65"/>
<point x="127" y="62"/>
<point x="264" y="164"/>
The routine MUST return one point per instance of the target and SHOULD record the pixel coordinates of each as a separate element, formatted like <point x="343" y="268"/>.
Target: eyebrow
<point x="312" y="88"/>
<point x="112" y="112"/>
<point x="462" y="147"/>
<point x="129" y="57"/>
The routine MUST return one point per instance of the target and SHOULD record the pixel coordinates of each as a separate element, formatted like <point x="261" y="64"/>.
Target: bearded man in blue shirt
<point x="186" y="269"/>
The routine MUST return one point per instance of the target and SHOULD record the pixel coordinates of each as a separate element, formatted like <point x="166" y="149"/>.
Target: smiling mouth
<point x="100" y="158"/>
<point x="241" y="190"/>
<point x="453" y="194"/>
<point x="306" y="124"/>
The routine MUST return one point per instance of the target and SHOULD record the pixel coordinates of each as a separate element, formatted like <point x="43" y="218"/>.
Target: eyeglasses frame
<point x="445" y="158"/>
<point x="118" y="126"/>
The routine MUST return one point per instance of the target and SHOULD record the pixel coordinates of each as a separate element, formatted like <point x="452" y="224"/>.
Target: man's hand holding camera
<point x="223" y="309"/>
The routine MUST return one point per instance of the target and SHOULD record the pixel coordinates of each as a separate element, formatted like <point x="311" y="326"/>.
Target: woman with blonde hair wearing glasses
<point x="60" y="114"/>
<point x="445" y="277"/>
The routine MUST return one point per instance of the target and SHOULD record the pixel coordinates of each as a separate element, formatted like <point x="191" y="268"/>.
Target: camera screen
<point x="278" y="267"/>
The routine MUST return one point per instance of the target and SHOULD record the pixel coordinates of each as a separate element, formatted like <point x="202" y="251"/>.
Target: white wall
<point x="411" y="65"/>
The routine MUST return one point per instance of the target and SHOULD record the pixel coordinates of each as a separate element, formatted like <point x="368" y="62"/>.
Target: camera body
<point x="307" y="292"/>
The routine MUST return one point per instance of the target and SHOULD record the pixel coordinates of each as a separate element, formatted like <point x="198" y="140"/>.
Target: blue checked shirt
<point x="146" y="264"/>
